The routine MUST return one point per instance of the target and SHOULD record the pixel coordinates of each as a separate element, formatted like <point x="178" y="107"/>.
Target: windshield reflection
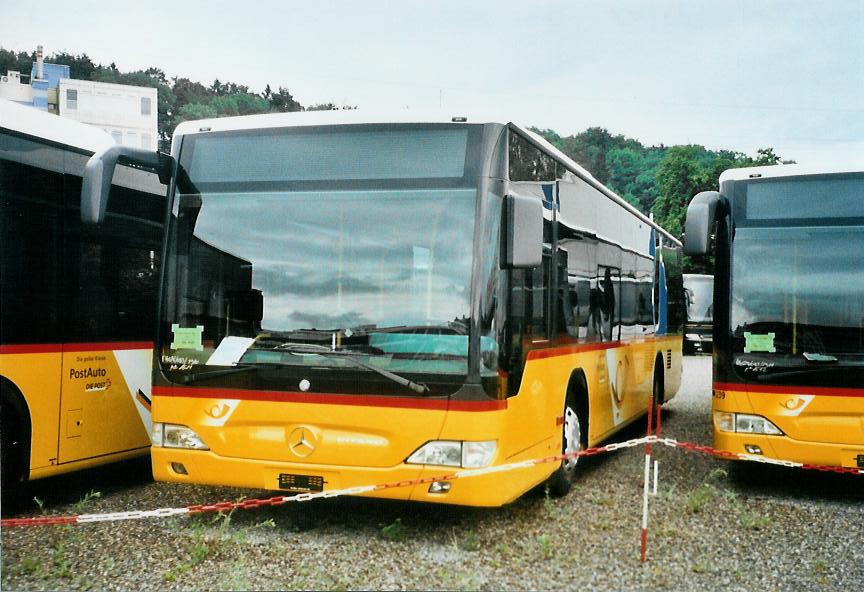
<point x="386" y="272"/>
<point x="347" y="259"/>
<point x="803" y="286"/>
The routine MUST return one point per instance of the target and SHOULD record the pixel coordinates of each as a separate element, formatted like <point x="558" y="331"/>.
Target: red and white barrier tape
<point x="302" y="497"/>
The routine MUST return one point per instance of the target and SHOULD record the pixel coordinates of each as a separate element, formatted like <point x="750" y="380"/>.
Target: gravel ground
<point x="713" y="525"/>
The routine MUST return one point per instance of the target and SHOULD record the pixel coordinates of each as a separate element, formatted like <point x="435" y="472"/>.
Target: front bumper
<point x="786" y="448"/>
<point x="204" y="466"/>
<point x="820" y="419"/>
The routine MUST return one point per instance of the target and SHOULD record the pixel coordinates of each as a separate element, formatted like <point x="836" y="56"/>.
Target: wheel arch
<point x="15" y="405"/>
<point x="578" y="394"/>
<point x="660" y="371"/>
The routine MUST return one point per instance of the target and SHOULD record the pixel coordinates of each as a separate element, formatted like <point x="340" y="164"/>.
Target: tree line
<point x="179" y="99"/>
<point x="659" y="180"/>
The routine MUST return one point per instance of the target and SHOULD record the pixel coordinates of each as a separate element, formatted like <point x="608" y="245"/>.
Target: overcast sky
<point x="736" y="74"/>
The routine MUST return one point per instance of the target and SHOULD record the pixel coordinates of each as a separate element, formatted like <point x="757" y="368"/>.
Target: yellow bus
<point x="78" y="302"/>
<point x="349" y="301"/>
<point x="788" y="311"/>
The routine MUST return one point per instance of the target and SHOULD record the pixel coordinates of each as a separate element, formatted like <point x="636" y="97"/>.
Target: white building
<point x="128" y="113"/>
<point x="12" y="89"/>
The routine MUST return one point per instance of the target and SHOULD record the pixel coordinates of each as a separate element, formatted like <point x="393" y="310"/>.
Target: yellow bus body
<point x="367" y="441"/>
<point x="821" y="425"/>
<point x="82" y="402"/>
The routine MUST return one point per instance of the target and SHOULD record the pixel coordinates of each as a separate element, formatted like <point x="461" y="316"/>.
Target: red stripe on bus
<point x="36" y="348"/>
<point x="328" y="399"/>
<point x="791" y="390"/>
<point x="551" y="352"/>
<point x="119" y="345"/>
<point x="58" y="348"/>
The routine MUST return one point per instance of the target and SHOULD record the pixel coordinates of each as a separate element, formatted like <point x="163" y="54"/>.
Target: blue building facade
<point x="52" y="73"/>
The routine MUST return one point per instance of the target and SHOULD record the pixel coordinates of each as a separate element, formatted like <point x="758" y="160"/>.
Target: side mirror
<point x="701" y="215"/>
<point x="99" y="172"/>
<point x="522" y="232"/>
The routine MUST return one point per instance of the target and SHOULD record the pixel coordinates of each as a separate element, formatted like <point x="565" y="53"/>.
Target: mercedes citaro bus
<point x="788" y="311"/>
<point x="349" y="300"/>
<point x="77" y="301"/>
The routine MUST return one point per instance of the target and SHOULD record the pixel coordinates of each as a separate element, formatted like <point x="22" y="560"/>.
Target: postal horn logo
<point x="302" y="442"/>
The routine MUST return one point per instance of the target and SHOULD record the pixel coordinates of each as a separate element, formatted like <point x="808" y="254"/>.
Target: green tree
<point x="186" y="91"/>
<point x="17" y="62"/>
<point x="193" y="111"/>
<point x="766" y="157"/>
<point x="680" y="176"/>
<point x="249" y="104"/>
<point x="624" y="165"/>
<point x="80" y="66"/>
<point x="282" y="101"/>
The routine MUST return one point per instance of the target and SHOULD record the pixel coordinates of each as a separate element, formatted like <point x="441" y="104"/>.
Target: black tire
<point x="574" y="437"/>
<point x="11" y="459"/>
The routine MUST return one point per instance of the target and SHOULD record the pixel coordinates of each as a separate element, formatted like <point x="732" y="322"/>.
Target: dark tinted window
<point x="62" y="281"/>
<point x="528" y="163"/>
<point x="30" y="225"/>
<point x="111" y="277"/>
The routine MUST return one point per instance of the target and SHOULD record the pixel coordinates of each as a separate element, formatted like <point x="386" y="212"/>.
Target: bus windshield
<point x="375" y="263"/>
<point x="798" y="283"/>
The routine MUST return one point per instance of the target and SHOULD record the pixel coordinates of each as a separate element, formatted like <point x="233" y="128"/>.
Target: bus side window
<point x="606" y="303"/>
<point x="112" y="270"/>
<point x="566" y="301"/>
<point x="539" y="298"/>
<point x="31" y="221"/>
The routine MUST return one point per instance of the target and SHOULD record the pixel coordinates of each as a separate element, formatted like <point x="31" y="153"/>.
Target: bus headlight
<point x="744" y="423"/>
<point x="171" y="435"/>
<point x="450" y="453"/>
<point x="476" y="455"/>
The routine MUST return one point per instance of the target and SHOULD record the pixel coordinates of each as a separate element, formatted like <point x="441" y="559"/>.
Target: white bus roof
<point x="358" y="117"/>
<point x="41" y="124"/>
<point x="782" y="170"/>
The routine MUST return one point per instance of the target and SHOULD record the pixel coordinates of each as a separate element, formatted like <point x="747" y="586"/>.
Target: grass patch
<point x="699" y="497"/>
<point x="62" y="565"/>
<point x="544" y="542"/>
<point x="470" y="542"/>
<point x="394" y="531"/>
<point x="86" y="501"/>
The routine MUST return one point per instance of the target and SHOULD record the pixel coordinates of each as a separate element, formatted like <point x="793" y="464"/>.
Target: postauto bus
<point x="788" y="311"/>
<point x="78" y="302"/>
<point x="349" y="301"/>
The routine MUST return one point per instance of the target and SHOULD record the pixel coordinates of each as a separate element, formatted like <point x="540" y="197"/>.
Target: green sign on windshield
<point x="756" y="342"/>
<point x="187" y="337"/>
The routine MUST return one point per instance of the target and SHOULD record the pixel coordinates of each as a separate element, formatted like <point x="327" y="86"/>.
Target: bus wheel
<point x="572" y="440"/>
<point x="11" y="459"/>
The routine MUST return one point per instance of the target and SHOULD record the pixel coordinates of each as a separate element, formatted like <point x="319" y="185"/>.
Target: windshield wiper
<point x="187" y="378"/>
<point x="321" y="350"/>
<point x="309" y="348"/>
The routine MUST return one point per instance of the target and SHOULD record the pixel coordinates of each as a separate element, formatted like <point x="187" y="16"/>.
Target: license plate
<point x="860" y="460"/>
<point x="303" y="483"/>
